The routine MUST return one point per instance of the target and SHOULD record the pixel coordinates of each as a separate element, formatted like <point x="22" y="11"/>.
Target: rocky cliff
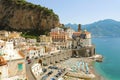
<point x="23" y="16"/>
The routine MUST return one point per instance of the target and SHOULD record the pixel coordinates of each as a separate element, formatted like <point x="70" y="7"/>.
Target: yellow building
<point x="44" y="38"/>
<point x="14" y="35"/>
<point x="4" y="35"/>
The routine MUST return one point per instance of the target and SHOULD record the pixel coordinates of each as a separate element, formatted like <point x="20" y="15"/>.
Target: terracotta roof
<point x="86" y="32"/>
<point x="56" y="33"/>
<point x="77" y="33"/>
<point x="31" y="48"/>
<point x="21" y="54"/>
<point x="2" y="61"/>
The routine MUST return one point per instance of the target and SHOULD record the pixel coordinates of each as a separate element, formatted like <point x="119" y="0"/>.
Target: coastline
<point x="98" y="76"/>
<point x="93" y="69"/>
<point x="90" y="62"/>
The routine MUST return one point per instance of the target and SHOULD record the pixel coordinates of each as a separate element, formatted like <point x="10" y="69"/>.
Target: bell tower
<point x="79" y="27"/>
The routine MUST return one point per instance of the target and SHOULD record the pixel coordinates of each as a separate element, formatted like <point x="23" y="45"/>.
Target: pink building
<point x="59" y="36"/>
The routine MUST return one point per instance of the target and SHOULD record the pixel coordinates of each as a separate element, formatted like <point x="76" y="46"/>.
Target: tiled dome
<point x="2" y="61"/>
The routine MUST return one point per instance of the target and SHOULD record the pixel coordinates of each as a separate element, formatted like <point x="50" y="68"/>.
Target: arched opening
<point x="74" y="54"/>
<point x="40" y="61"/>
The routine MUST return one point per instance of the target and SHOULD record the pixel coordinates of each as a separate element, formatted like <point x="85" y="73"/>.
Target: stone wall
<point x="66" y="54"/>
<point x="56" y="57"/>
<point x="13" y="68"/>
<point x="84" y="52"/>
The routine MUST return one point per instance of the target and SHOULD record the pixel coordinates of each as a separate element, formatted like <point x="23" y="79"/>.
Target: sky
<point x="82" y="11"/>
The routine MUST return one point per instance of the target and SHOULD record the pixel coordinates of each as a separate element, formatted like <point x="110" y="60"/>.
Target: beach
<point x="73" y="68"/>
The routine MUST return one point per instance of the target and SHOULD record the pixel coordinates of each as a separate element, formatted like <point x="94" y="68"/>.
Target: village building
<point x="4" y="35"/>
<point x="31" y="40"/>
<point x="35" y="52"/>
<point x="3" y="68"/>
<point x="36" y="69"/>
<point x="69" y="32"/>
<point x="81" y="38"/>
<point x="12" y="62"/>
<point x="14" y="34"/>
<point x="57" y="29"/>
<point x="58" y="35"/>
<point x="86" y="39"/>
<point x="45" y="39"/>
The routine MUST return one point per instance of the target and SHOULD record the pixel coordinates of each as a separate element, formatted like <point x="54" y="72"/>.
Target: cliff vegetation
<point x="23" y="16"/>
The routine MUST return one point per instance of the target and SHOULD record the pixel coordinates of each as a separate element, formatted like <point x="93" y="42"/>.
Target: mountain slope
<point x="23" y="16"/>
<point x="107" y="27"/>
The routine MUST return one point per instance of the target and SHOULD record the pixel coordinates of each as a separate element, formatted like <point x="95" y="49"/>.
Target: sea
<point x="110" y="49"/>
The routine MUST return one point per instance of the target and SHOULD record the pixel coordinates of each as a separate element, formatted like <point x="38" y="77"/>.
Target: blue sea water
<point x="110" y="49"/>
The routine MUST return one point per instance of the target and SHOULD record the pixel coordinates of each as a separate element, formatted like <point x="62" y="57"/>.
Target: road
<point x="29" y="72"/>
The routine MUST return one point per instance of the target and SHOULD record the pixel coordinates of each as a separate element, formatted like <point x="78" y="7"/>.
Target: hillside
<point x="24" y="16"/>
<point x="103" y="28"/>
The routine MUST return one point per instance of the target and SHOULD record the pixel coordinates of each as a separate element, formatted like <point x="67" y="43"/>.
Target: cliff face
<point x="22" y="16"/>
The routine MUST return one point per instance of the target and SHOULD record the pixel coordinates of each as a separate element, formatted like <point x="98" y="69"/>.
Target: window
<point x="20" y="66"/>
<point x="0" y="73"/>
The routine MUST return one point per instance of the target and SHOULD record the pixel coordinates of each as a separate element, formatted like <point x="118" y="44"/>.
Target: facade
<point x="86" y="40"/>
<point x="36" y="52"/>
<point x="4" y="35"/>
<point x="76" y="40"/>
<point x="31" y="40"/>
<point x="18" y="41"/>
<point x="15" y="63"/>
<point x="36" y="69"/>
<point x="57" y="29"/>
<point x="61" y="45"/>
<point x="45" y="39"/>
<point x="14" y="35"/>
<point x="3" y="69"/>
<point x="69" y="43"/>
<point x="16" y="69"/>
<point x="58" y="35"/>
<point x="81" y="38"/>
<point x="70" y="32"/>
<point x="33" y="53"/>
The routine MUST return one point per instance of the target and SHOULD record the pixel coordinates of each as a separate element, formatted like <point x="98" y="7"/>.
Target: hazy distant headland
<point x="102" y="28"/>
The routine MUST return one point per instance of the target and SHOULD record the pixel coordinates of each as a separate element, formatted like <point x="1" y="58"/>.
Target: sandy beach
<point x="68" y="64"/>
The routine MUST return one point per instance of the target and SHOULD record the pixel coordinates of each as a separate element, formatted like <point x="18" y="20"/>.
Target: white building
<point x="36" y="52"/>
<point x="57" y="29"/>
<point x="69" y="43"/>
<point x="3" y="69"/>
<point x="36" y="69"/>
<point x="87" y="41"/>
<point x="70" y="32"/>
<point x="15" y="63"/>
<point x="31" y="40"/>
